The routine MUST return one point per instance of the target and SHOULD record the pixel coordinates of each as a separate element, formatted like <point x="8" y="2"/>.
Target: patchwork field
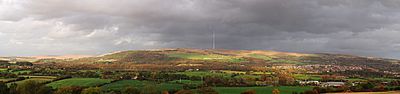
<point x="7" y="79"/>
<point x="39" y="80"/>
<point x="261" y="90"/>
<point x="188" y="82"/>
<point x="259" y="56"/>
<point x="119" y="85"/>
<point x="203" y="74"/>
<point x="83" y="82"/>
<point x="6" y="70"/>
<point x="307" y="77"/>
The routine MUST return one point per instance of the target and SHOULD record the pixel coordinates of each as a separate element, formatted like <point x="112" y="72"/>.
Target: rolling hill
<point x="222" y="57"/>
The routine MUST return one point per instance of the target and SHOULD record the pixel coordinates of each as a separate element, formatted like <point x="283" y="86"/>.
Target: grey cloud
<point x="361" y="27"/>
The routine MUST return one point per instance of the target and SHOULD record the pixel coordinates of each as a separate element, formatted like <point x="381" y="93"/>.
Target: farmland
<point x="200" y="71"/>
<point x="83" y="82"/>
<point x="40" y="80"/>
<point x="119" y="85"/>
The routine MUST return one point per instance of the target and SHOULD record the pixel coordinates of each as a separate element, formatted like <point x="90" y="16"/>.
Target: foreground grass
<point x="262" y="90"/>
<point x="82" y="82"/>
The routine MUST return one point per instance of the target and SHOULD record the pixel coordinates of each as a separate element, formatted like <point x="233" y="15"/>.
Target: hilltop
<point x="223" y="58"/>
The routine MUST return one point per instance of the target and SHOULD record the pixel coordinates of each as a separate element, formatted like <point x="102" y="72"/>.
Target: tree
<point x="24" y="63"/>
<point x="92" y="90"/>
<point x="130" y="90"/>
<point x="29" y="87"/>
<point x="285" y="78"/>
<point x="4" y="63"/>
<point x="3" y="88"/>
<point x="69" y="90"/>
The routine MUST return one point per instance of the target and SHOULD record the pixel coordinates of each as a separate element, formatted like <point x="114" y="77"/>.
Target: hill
<point x="238" y="59"/>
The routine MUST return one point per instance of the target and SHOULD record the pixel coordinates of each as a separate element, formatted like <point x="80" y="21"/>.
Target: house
<point x="313" y="83"/>
<point x="333" y="84"/>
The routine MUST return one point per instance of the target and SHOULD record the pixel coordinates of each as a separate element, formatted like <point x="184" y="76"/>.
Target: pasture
<point x="82" y="82"/>
<point x="306" y="77"/>
<point x="39" y="80"/>
<point x="119" y="85"/>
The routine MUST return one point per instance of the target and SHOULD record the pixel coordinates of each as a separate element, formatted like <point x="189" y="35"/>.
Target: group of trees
<point x="19" y="63"/>
<point x="28" y="87"/>
<point x="33" y="87"/>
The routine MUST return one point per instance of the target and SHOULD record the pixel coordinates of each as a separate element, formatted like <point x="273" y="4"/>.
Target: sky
<point x="60" y="27"/>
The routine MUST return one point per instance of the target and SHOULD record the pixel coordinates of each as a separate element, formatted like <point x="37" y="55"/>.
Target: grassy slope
<point x="83" y="82"/>
<point x="40" y="80"/>
<point x="197" y="56"/>
<point x="119" y="85"/>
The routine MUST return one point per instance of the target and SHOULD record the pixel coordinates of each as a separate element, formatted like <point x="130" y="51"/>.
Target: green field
<point x="47" y="77"/>
<point x="7" y="79"/>
<point x="40" y="80"/>
<point x="259" y="56"/>
<point x="261" y="90"/>
<point x="83" y="82"/>
<point x="261" y="73"/>
<point x="119" y="85"/>
<point x="21" y="71"/>
<point x="188" y="82"/>
<point x="203" y="74"/>
<point x="355" y="79"/>
<point x="385" y="79"/>
<point x="169" y="86"/>
<point x="5" y="70"/>
<point x="224" y="74"/>
<point x="306" y="77"/>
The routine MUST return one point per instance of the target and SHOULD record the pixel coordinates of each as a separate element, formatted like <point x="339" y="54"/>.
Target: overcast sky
<point x="58" y="27"/>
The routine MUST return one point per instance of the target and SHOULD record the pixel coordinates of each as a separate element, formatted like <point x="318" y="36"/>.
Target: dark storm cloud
<point x="361" y="27"/>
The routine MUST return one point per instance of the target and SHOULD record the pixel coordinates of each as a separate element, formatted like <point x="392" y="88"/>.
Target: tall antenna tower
<point x="213" y="39"/>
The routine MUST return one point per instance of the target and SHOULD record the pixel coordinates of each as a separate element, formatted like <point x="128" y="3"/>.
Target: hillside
<point x="226" y="58"/>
